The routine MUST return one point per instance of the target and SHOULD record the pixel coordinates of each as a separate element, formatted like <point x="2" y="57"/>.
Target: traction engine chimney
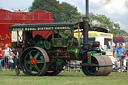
<point x="85" y="22"/>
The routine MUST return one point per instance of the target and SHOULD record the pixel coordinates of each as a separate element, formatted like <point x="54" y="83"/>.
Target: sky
<point x="116" y="10"/>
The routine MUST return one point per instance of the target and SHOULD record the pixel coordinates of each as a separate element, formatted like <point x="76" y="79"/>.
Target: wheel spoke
<point x="27" y="62"/>
<point x="30" y="55"/>
<point x="37" y="68"/>
<point x="39" y="61"/>
<point x="30" y="70"/>
<point x="93" y="69"/>
<point x="38" y="53"/>
<point x="41" y="57"/>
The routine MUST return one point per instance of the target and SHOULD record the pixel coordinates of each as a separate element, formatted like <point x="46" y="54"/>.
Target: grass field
<point x="64" y="78"/>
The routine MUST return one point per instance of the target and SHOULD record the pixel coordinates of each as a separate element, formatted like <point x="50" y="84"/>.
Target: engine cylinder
<point x="95" y="46"/>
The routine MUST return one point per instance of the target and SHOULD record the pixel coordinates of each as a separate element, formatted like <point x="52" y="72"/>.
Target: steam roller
<point x="54" y="45"/>
<point x="101" y="65"/>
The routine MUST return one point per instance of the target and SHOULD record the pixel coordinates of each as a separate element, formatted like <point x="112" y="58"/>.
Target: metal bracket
<point x="95" y="65"/>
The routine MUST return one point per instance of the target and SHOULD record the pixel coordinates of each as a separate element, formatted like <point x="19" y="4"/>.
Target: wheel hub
<point x="33" y="61"/>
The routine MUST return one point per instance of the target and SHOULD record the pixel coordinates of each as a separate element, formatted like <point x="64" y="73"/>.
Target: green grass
<point x="64" y="78"/>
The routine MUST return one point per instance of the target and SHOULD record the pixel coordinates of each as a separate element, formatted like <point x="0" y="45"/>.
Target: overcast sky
<point x="116" y="10"/>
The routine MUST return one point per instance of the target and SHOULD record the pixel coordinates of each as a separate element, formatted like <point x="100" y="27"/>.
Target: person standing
<point x="1" y="58"/>
<point x="15" y="56"/>
<point x="120" y="56"/>
<point x="10" y="61"/>
<point x="7" y="51"/>
<point x="125" y="60"/>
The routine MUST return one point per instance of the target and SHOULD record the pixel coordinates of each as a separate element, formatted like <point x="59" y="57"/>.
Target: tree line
<point x="65" y="12"/>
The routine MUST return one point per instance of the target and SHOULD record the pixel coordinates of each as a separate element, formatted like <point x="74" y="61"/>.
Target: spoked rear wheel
<point x="34" y="61"/>
<point x="97" y="70"/>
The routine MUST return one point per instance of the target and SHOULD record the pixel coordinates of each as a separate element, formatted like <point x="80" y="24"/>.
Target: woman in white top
<point x="7" y="51"/>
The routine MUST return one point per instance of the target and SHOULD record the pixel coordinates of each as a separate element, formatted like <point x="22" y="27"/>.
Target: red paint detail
<point x="88" y="56"/>
<point x="8" y="18"/>
<point x="33" y="61"/>
<point x="126" y="53"/>
<point x="63" y="53"/>
<point x="45" y="34"/>
<point x="20" y="51"/>
<point x="96" y="43"/>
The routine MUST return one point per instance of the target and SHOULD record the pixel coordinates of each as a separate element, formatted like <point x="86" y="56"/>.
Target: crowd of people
<point x="73" y="65"/>
<point x="119" y="61"/>
<point x="8" y="58"/>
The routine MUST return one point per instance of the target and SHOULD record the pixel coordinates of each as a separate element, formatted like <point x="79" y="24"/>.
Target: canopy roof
<point x="99" y="29"/>
<point x="53" y="26"/>
<point x="43" y="26"/>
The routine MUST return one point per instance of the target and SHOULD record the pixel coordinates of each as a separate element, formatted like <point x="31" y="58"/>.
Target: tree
<point x="63" y="12"/>
<point x="48" y="5"/>
<point x="70" y="13"/>
<point x="99" y="20"/>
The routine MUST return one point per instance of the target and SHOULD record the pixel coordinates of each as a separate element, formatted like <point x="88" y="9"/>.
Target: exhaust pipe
<point x="85" y="22"/>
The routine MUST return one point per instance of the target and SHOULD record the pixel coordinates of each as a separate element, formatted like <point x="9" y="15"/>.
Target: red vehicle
<point x="118" y="40"/>
<point x="123" y="40"/>
<point x="8" y="18"/>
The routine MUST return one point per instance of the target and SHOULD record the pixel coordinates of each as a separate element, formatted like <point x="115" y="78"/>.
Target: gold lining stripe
<point x="78" y="34"/>
<point x="17" y="38"/>
<point x="76" y="53"/>
<point x="10" y="23"/>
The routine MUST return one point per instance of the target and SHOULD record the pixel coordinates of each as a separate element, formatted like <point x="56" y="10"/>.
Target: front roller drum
<point x="34" y="61"/>
<point x="105" y="70"/>
<point x="102" y="66"/>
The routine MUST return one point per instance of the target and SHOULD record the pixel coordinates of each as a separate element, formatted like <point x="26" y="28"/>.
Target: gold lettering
<point x="7" y="37"/>
<point x="1" y="44"/>
<point x="1" y="39"/>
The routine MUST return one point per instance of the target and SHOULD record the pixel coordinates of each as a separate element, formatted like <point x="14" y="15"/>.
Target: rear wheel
<point x="34" y="61"/>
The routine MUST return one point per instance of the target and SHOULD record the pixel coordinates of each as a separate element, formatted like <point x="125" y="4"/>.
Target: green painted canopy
<point x="53" y="26"/>
<point x="43" y="26"/>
